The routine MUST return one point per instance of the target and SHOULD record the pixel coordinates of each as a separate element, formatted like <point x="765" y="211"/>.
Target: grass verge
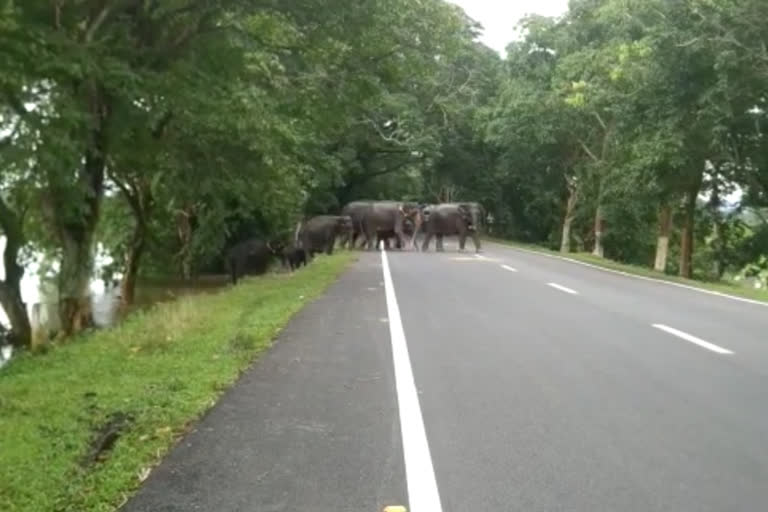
<point x="154" y="374"/>
<point x="720" y="287"/>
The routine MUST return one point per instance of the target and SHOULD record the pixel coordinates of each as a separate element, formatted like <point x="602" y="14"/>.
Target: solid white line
<point x="693" y="339"/>
<point x="635" y="276"/>
<point x="419" y="473"/>
<point x="563" y="288"/>
<point x="507" y="267"/>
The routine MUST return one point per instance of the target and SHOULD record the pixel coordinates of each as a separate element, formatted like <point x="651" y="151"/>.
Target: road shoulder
<point x="313" y="425"/>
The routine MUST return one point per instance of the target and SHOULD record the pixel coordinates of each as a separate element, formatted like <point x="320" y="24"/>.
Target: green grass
<point x="721" y="286"/>
<point x="164" y="367"/>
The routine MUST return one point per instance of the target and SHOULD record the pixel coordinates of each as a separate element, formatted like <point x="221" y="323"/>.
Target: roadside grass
<point x="721" y="286"/>
<point x="155" y="373"/>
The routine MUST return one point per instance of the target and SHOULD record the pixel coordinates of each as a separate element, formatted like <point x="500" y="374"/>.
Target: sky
<point x="499" y="17"/>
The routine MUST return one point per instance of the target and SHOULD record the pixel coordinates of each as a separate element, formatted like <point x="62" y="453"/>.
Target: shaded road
<point x="542" y="385"/>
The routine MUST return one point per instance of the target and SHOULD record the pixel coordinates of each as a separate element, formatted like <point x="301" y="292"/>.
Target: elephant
<point x="385" y="236"/>
<point x="251" y="256"/>
<point x="388" y="218"/>
<point x="460" y="219"/>
<point x="293" y="257"/>
<point x="356" y="211"/>
<point x="319" y="233"/>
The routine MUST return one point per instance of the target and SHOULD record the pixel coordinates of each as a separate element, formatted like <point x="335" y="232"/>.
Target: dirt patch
<point x="105" y="436"/>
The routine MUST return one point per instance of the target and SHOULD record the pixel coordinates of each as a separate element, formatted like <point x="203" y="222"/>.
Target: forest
<point x="166" y="131"/>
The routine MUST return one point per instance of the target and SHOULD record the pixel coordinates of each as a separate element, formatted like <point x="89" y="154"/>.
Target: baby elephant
<point x="294" y="257"/>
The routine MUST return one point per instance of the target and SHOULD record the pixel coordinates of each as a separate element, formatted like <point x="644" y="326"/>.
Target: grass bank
<point x="721" y="287"/>
<point x="149" y="378"/>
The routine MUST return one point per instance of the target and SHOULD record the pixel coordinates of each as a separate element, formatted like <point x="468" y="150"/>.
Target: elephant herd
<point x="374" y="222"/>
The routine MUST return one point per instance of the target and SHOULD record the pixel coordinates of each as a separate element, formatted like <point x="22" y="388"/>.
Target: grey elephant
<point x="251" y="256"/>
<point x="356" y="211"/>
<point x="386" y="236"/>
<point x="447" y="219"/>
<point x="390" y="217"/>
<point x="319" y="233"/>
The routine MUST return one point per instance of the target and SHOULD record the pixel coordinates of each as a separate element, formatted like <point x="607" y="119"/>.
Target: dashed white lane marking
<point x="635" y="276"/>
<point x="423" y="495"/>
<point x="563" y="288"/>
<point x="693" y="339"/>
<point x="507" y="267"/>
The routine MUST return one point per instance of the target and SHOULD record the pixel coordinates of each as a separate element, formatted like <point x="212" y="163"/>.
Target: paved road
<point x="508" y="382"/>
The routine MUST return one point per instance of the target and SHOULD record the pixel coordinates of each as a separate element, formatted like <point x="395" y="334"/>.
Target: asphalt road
<point x="510" y="381"/>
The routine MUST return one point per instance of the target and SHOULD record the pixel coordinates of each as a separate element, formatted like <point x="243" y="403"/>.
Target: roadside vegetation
<point x="633" y="131"/>
<point x="82" y="424"/>
<point x="728" y="287"/>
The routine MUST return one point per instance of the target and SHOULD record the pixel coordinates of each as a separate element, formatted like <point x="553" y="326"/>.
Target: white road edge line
<point x="693" y="339"/>
<point x="423" y="495"/>
<point x="507" y="267"/>
<point x="627" y="274"/>
<point x="563" y="288"/>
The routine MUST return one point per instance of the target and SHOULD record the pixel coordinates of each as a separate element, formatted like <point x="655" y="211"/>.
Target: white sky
<point x="499" y="17"/>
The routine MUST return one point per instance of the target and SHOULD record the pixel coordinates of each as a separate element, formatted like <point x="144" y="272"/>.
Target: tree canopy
<point x="169" y="130"/>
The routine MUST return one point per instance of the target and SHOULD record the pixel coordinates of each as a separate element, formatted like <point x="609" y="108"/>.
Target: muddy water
<point x="105" y="302"/>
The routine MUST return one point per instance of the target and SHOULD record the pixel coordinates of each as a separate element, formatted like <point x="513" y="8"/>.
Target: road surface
<point x="510" y="381"/>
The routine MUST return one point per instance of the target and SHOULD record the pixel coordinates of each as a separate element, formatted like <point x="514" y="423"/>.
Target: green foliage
<point x="617" y="104"/>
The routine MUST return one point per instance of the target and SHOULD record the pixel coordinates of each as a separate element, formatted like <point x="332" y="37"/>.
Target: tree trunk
<point x="74" y="284"/>
<point x="16" y="311"/>
<point x="662" y="243"/>
<point x="719" y="245"/>
<point x="718" y="228"/>
<point x="10" y="287"/>
<point x="75" y="218"/>
<point x="132" y="261"/>
<point x="138" y="194"/>
<point x="686" y="239"/>
<point x="598" y="249"/>
<point x="570" y="207"/>
<point x="185" y="231"/>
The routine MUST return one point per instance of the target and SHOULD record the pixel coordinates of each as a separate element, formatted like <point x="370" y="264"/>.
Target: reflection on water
<point x="41" y="298"/>
<point x="104" y="307"/>
<point x="105" y="302"/>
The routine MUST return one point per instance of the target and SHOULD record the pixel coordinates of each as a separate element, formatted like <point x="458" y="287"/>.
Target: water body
<point x="104" y="299"/>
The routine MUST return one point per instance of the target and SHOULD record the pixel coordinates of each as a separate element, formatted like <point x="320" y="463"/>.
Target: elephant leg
<point x="399" y="240"/>
<point x="476" y="240"/>
<point x="439" y="244"/>
<point x="370" y="240"/>
<point x="462" y="241"/>
<point x="329" y="245"/>
<point x="427" y="239"/>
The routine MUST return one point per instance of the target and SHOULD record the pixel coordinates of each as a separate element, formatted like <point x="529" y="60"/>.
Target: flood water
<point x="105" y="298"/>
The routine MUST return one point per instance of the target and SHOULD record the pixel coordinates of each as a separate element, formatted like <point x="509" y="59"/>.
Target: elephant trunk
<point x="296" y="234"/>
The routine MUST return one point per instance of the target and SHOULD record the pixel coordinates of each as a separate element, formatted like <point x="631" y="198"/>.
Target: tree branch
<point x="97" y="23"/>
<point x="588" y="151"/>
<point x="600" y="120"/>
